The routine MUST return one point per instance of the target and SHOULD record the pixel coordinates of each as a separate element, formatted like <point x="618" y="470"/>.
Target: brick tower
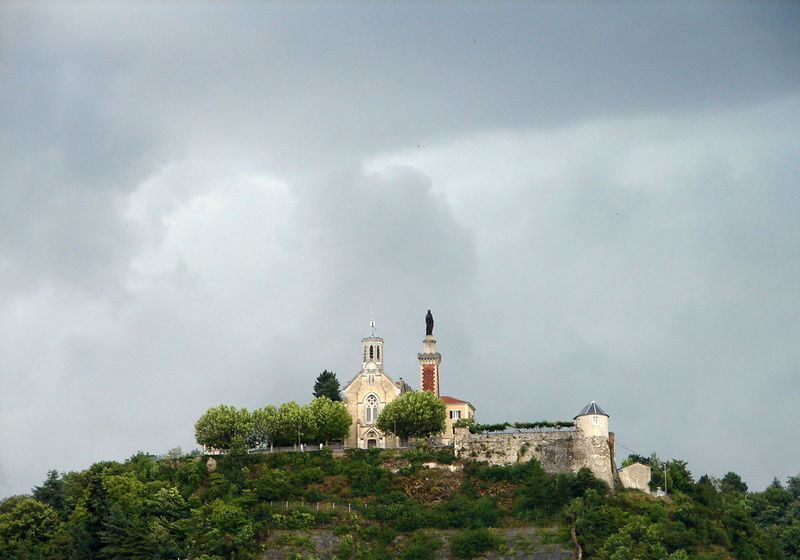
<point x="429" y="359"/>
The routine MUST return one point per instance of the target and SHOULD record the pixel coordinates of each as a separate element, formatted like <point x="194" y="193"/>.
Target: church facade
<point x="366" y="395"/>
<point x="371" y="389"/>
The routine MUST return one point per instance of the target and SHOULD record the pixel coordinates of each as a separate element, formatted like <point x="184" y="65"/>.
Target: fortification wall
<point x="560" y="451"/>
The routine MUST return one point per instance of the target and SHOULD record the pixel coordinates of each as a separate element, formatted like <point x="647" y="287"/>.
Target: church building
<point x="371" y="389"/>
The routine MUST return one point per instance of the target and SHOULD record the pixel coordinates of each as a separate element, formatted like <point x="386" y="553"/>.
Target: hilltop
<point x="418" y="503"/>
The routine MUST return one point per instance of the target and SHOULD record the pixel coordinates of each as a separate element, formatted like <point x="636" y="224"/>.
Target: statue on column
<point x="429" y="323"/>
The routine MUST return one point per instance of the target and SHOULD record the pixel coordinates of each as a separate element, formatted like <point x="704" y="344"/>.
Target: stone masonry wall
<point x="561" y="451"/>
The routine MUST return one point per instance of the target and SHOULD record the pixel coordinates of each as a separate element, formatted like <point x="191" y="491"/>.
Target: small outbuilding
<point x="636" y="476"/>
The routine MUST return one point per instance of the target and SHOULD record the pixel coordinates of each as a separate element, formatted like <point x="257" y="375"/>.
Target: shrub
<point x="411" y="517"/>
<point x="218" y="488"/>
<point x="306" y="476"/>
<point x="421" y="546"/>
<point x="271" y="485"/>
<point x="190" y="476"/>
<point x="296" y="542"/>
<point x="445" y="456"/>
<point x="380" y="533"/>
<point x="366" y="479"/>
<point x="296" y="519"/>
<point x="462" y="511"/>
<point x="469" y="543"/>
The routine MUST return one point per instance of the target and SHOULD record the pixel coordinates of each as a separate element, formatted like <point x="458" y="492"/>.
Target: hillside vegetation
<point x="380" y="505"/>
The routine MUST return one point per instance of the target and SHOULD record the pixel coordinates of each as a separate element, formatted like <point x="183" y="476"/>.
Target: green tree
<point x="51" y="492"/>
<point x="222" y="427"/>
<point x="790" y="541"/>
<point x="677" y="473"/>
<point x="732" y="482"/>
<point x="637" y="540"/>
<point x="415" y="414"/>
<point x="91" y="512"/>
<point x="331" y="419"/>
<point x="327" y="386"/>
<point x="635" y="458"/>
<point x="124" y="536"/>
<point x="793" y="484"/>
<point x="264" y="426"/>
<point x="294" y="424"/>
<point x="219" y="528"/>
<point x="25" y="525"/>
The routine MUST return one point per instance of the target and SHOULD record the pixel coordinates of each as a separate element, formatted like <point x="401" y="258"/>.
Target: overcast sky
<point x="200" y="202"/>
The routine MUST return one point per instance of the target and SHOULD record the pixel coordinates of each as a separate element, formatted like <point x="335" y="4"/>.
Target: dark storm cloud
<point x="332" y="80"/>
<point x="656" y="274"/>
<point x="71" y="152"/>
<point x="199" y="204"/>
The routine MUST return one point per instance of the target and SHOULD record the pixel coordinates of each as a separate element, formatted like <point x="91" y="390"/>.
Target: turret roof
<point x="591" y="408"/>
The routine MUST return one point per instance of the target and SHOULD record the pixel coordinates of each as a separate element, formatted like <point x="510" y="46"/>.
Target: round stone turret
<point x="592" y="421"/>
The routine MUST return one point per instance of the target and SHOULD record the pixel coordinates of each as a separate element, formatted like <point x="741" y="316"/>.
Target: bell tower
<point x="429" y="359"/>
<point x="372" y="348"/>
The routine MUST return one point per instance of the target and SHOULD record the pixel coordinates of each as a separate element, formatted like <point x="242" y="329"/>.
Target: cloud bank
<point x="201" y="205"/>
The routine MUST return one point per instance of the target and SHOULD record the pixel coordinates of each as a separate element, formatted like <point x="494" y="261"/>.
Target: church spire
<point x="372" y="346"/>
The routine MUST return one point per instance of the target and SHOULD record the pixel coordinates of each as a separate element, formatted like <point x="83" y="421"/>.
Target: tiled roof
<point x="453" y="400"/>
<point x="591" y="408"/>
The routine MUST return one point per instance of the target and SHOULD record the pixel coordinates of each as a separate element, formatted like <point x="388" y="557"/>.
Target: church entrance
<point x="371" y="438"/>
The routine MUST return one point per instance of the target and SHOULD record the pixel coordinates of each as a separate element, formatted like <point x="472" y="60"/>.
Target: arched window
<point x="379" y="353"/>
<point x="371" y="409"/>
<point x="370" y="352"/>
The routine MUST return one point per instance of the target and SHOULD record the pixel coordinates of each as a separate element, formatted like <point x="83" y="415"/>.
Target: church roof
<point x="591" y="408"/>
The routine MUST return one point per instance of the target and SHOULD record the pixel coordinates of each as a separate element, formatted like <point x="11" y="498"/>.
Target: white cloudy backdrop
<point x="199" y="203"/>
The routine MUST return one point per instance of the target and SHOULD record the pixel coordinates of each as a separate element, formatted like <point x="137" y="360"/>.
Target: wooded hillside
<point x="381" y="505"/>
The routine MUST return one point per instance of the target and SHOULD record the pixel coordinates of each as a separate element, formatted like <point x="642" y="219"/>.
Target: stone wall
<point x="560" y="451"/>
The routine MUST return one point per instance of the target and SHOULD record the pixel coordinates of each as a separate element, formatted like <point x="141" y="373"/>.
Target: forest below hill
<point x="382" y="504"/>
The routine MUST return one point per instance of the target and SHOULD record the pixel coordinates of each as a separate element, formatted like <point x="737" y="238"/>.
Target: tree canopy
<point x="295" y="424"/>
<point x="327" y="386"/>
<point x="331" y="419"/>
<point x="223" y="427"/>
<point x="263" y="426"/>
<point x="415" y="414"/>
<point x="227" y="428"/>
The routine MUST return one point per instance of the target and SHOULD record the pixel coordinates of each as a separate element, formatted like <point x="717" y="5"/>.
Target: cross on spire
<point x="372" y="321"/>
